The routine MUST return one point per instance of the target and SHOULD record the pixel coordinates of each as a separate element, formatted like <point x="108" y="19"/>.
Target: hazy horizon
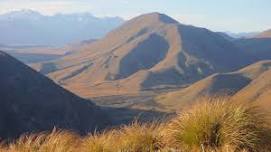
<point x="234" y="16"/>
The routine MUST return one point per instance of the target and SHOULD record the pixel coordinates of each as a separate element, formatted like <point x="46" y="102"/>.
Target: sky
<point x="217" y="15"/>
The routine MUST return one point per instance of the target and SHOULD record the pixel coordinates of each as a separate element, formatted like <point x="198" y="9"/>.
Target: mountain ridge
<point x="154" y="50"/>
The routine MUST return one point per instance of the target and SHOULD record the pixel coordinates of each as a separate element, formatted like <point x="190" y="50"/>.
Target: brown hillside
<point x="259" y="91"/>
<point x="218" y="84"/>
<point x="150" y="51"/>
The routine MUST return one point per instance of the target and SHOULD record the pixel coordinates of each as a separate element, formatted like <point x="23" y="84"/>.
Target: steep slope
<point x="31" y="102"/>
<point x="148" y="52"/>
<point x="218" y="84"/>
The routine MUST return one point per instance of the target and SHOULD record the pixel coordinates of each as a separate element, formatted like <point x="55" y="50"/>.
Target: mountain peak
<point x="155" y="16"/>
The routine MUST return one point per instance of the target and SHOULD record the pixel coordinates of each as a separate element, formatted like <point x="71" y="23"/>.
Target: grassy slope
<point x="215" y="124"/>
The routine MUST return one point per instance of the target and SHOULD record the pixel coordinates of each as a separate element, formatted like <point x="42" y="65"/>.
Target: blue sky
<point x="217" y="15"/>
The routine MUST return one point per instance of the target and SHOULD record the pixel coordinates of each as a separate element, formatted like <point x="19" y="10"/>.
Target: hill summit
<point x="148" y="52"/>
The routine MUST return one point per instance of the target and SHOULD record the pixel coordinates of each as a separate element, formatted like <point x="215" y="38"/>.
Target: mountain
<point x="31" y="102"/>
<point x="257" y="45"/>
<point x="226" y="36"/>
<point x="265" y="34"/>
<point x="244" y="84"/>
<point x="28" y="27"/>
<point x="148" y="52"/>
<point x="241" y="35"/>
<point x="260" y="48"/>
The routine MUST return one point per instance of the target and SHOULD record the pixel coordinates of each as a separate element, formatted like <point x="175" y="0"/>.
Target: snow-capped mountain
<point x="27" y="27"/>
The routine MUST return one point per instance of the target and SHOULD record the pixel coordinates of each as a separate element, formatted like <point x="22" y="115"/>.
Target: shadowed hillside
<point x="30" y="102"/>
<point x="259" y="48"/>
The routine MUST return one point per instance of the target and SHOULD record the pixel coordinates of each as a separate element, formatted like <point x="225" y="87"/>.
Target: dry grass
<point x="219" y="124"/>
<point x="213" y="125"/>
<point x="104" y="142"/>
<point x="57" y="141"/>
<point x="140" y="137"/>
<point x="133" y="138"/>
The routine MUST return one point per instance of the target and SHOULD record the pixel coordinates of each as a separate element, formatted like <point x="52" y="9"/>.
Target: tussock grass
<point x="219" y="124"/>
<point x="213" y="125"/>
<point x="133" y="138"/>
<point x="104" y="142"/>
<point x="57" y="141"/>
<point x="140" y="137"/>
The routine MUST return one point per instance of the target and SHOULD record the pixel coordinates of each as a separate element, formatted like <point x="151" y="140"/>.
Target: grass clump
<point x="57" y="141"/>
<point x="140" y="138"/>
<point x="104" y="142"/>
<point x="133" y="138"/>
<point x="219" y="124"/>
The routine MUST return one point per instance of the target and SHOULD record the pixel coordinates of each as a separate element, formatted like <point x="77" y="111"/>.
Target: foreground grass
<point x="219" y="125"/>
<point x="212" y="125"/>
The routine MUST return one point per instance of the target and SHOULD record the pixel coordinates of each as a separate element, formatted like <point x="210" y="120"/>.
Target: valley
<point x="127" y="69"/>
<point x="141" y="82"/>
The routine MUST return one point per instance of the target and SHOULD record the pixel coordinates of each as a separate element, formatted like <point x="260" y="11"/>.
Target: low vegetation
<point x="219" y="124"/>
<point x="212" y="125"/>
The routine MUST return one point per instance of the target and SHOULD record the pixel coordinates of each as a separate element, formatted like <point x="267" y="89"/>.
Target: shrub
<point x="218" y="124"/>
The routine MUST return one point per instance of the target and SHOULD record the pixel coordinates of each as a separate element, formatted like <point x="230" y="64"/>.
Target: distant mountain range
<point x="30" y="102"/>
<point x="242" y="35"/>
<point x="28" y="27"/>
<point x="149" y="52"/>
